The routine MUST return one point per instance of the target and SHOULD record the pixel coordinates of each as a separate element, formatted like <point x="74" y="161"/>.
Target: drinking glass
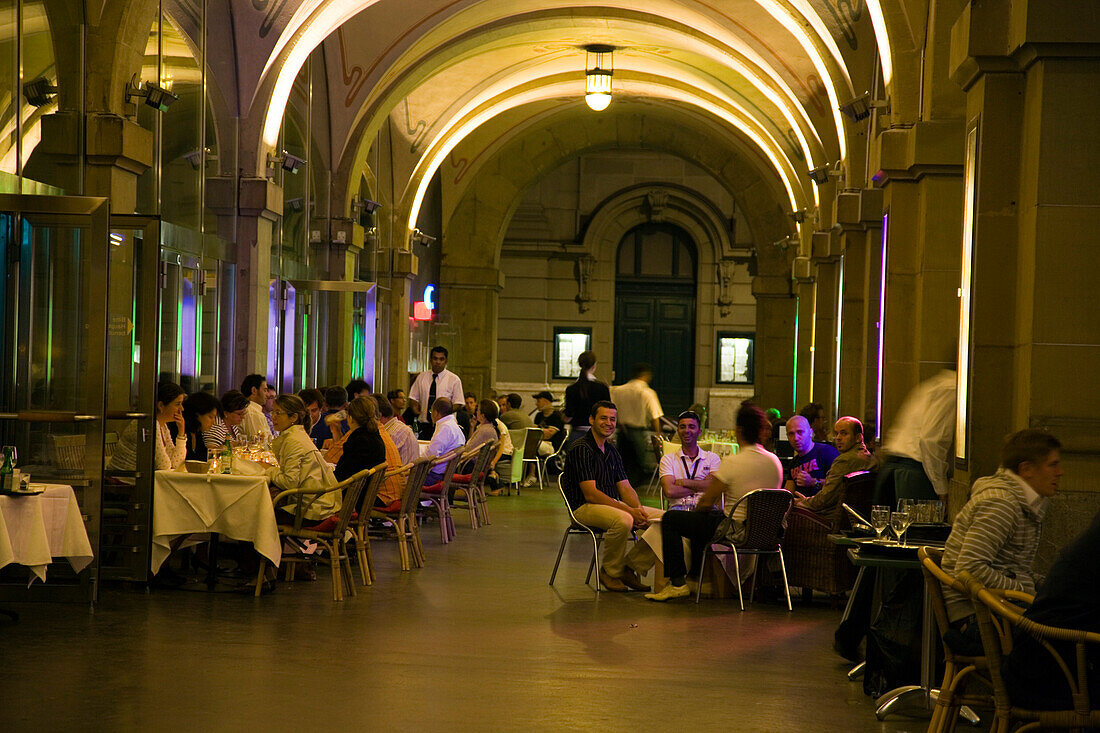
<point x="900" y="521"/>
<point x="880" y="519"/>
<point x="935" y="512"/>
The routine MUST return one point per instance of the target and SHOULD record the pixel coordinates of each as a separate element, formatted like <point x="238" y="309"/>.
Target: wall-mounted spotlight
<point x="294" y="204"/>
<point x="860" y="108"/>
<point x="419" y="237"/>
<point x="798" y="216"/>
<point x="366" y="209"/>
<point x="599" y="69"/>
<point x="156" y="96"/>
<point x="287" y="161"/>
<point x="194" y="158"/>
<point x="38" y="91"/>
<point x="822" y="174"/>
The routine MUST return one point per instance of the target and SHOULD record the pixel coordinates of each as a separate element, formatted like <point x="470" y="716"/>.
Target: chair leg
<point x="402" y="541"/>
<point x="737" y="579"/>
<point x="596" y="561"/>
<point x="557" y="561"/>
<point x="260" y="576"/>
<point x="538" y="470"/>
<point x="699" y="580"/>
<point x="786" y="587"/>
<point x="347" y="575"/>
<point x="334" y="564"/>
<point x="417" y="546"/>
<point x="484" y="504"/>
<point x="362" y="550"/>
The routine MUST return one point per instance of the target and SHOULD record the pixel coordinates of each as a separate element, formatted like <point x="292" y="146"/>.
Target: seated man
<point x="995" y="536"/>
<point x="749" y="469"/>
<point x="446" y="438"/>
<point x="811" y="461"/>
<point x="514" y="417"/>
<point x="402" y="435"/>
<point x="854" y="456"/>
<point x="600" y="496"/>
<point x="686" y="472"/>
<point x="553" y="430"/>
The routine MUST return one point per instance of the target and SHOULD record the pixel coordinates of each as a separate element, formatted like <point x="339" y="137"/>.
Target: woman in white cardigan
<point x="168" y="452"/>
<point x="301" y="465"/>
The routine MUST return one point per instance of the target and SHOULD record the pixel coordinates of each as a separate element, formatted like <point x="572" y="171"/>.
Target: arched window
<point x="656" y="250"/>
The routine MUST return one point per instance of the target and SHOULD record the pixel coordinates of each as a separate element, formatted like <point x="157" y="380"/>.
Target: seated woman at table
<point x="486" y="430"/>
<point x="200" y="410"/>
<point x="168" y="452"/>
<point x="365" y="445"/>
<point x="301" y="465"/>
<point x="227" y="423"/>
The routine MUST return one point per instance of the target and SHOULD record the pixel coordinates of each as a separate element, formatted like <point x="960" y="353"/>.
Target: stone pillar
<point x="805" y="289"/>
<point x="1033" y="87"/>
<point x="258" y="210"/>
<point x="403" y="269"/>
<point x="471" y="295"/>
<point x="826" y="260"/>
<point x="776" y="308"/>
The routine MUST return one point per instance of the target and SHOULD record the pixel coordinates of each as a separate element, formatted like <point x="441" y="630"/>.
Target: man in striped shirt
<point x="596" y="486"/>
<point x="996" y="534"/>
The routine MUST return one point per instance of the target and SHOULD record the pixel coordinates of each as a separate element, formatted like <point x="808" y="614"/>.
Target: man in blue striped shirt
<point x="600" y="495"/>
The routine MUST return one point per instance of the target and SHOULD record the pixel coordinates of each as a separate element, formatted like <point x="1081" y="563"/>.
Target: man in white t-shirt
<point x="686" y="472"/>
<point x="751" y="468"/>
<point x="255" y="424"/>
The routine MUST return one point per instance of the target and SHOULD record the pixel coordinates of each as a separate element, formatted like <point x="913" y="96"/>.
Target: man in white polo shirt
<point x="685" y="472"/>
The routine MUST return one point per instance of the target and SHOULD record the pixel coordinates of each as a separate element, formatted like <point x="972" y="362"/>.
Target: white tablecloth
<point x="238" y="507"/>
<point x="36" y="529"/>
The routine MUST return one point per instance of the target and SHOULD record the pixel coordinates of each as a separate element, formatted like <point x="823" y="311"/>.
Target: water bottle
<point x="6" y="472"/>
<point x="227" y="457"/>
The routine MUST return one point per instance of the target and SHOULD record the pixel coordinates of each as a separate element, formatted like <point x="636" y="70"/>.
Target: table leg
<point x="852" y="594"/>
<point x="857" y="671"/>
<point x="922" y="694"/>
<point x="212" y="562"/>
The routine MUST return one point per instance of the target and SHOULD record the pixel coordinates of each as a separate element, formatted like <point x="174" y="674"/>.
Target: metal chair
<point x="576" y="527"/>
<point x="558" y="456"/>
<point x="531" y="451"/>
<point x="766" y="510"/>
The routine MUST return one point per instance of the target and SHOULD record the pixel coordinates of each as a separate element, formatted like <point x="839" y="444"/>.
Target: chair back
<point x="375" y="478"/>
<point x="531" y="442"/>
<point x="415" y="484"/>
<point x="657" y="445"/>
<point x="934" y="580"/>
<point x="765" y="518"/>
<point x="453" y="459"/>
<point x="352" y="489"/>
<point x="515" y="461"/>
<point x="572" y="517"/>
<point x="481" y="462"/>
<point x="859" y="488"/>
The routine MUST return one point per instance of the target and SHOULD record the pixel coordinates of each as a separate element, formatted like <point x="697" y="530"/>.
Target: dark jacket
<point x="363" y="449"/>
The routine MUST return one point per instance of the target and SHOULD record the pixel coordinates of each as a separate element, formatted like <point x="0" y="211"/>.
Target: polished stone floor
<point x="476" y="640"/>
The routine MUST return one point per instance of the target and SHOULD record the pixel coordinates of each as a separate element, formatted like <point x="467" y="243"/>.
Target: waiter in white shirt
<point x="639" y="418"/>
<point x="918" y="443"/>
<point x="432" y="384"/>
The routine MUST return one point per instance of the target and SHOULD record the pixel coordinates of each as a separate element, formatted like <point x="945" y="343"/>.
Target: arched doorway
<point x="655" y="310"/>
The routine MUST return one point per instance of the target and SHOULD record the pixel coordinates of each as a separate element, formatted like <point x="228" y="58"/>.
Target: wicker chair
<point x="816" y="563"/>
<point x="361" y="520"/>
<point x="438" y="500"/>
<point x="959" y="670"/>
<point x="328" y="534"/>
<point x="767" y="511"/>
<point x="473" y="484"/>
<point x="998" y="619"/>
<point x="409" y="547"/>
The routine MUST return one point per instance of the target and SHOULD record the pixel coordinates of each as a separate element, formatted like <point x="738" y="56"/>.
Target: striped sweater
<point x="994" y="538"/>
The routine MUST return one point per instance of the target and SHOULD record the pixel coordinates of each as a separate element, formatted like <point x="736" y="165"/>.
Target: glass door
<point x="327" y="332"/>
<point x="54" y="315"/>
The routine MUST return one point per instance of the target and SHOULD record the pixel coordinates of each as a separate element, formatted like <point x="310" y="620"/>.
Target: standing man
<point x="918" y="443"/>
<point x="432" y="384"/>
<point x="749" y="469"/>
<point x="854" y="456"/>
<point x="686" y="473"/>
<point x="600" y="495"/>
<point x="995" y="536"/>
<point x="811" y="460"/>
<point x="255" y="424"/>
<point x="641" y="419"/>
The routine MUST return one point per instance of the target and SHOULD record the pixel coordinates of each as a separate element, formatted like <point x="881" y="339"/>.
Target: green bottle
<point x="6" y="473"/>
<point x="227" y="457"/>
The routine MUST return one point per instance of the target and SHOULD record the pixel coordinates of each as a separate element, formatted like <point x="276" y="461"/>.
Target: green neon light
<point x="794" y="386"/>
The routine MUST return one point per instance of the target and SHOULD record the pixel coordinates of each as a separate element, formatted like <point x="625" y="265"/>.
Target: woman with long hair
<point x="169" y="453"/>
<point x="301" y="465"/>
<point x="366" y="445"/>
<point x="200" y="411"/>
<point x="582" y="394"/>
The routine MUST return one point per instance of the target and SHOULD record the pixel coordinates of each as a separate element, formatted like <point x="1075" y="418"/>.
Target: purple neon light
<point x="881" y="326"/>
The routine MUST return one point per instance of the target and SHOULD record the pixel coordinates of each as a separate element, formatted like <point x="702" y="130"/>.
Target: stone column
<point x="470" y="295"/>
<point x="1033" y="89"/>
<point x="861" y="243"/>
<point x="776" y="308"/>
<point x="805" y="289"/>
<point x="403" y="269"/>
<point x="258" y="210"/>
<point x="826" y="259"/>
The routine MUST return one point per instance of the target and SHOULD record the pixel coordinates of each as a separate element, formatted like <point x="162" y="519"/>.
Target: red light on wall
<point x="421" y="311"/>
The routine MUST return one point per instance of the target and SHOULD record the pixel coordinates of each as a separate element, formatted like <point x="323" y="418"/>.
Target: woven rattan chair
<point x="959" y="670"/>
<point x="438" y="500"/>
<point x="1069" y="649"/>
<point x="473" y="485"/>
<point x="409" y="548"/>
<point x="766" y="510"/>
<point x="361" y="520"/>
<point x="329" y="534"/>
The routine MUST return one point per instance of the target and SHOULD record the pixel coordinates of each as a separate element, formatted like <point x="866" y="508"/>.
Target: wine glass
<point x="900" y="521"/>
<point x="880" y="519"/>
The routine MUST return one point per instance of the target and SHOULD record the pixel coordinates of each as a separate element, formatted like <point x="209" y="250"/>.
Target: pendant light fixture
<point x="597" y="76"/>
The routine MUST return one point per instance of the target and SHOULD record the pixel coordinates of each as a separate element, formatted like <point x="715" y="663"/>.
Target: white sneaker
<point x="668" y="592"/>
<point x="529" y="482"/>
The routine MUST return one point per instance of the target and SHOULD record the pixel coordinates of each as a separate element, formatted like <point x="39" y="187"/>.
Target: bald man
<point x="811" y="462"/>
<point x="853" y="456"/>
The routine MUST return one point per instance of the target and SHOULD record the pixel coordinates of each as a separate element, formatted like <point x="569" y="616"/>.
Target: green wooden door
<point x="656" y="325"/>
